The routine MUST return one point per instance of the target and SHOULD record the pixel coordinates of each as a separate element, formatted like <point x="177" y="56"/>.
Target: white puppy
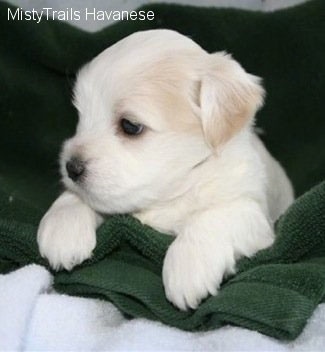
<point x="165" y="132"/>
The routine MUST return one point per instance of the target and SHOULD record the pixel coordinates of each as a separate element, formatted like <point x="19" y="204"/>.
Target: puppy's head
<point x="151" y="108"/>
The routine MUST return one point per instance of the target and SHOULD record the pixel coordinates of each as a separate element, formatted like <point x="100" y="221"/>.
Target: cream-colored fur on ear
<point x="229" y="98"/>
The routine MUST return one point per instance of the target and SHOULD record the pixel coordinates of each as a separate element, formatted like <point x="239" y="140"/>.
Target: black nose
<point x="75" y="168"/>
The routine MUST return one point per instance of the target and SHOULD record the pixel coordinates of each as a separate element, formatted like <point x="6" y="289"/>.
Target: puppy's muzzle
<point x="75" y="168"/>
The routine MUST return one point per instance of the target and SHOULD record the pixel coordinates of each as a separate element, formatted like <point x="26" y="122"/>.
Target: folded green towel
<point x="274" y="293"/>
<point x="277" y="290"/>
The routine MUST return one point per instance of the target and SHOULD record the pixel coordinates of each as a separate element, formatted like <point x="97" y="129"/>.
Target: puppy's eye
<point x="131" y="128"/>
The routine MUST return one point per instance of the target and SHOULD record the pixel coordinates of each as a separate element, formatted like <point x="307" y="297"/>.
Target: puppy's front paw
<point x="67" y="236"/>
<point x="194" y="269"/>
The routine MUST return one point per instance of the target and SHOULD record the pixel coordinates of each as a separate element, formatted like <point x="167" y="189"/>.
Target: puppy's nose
<point x="75" y="168"/>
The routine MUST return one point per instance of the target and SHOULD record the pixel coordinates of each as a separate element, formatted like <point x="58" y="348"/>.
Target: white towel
<point x="19" y="292"/>
<point x="34" y="318"/>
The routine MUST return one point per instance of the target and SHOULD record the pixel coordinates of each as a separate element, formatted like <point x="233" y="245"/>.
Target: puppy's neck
<point x="216" y="179"/>
<point x="185" y="199"/>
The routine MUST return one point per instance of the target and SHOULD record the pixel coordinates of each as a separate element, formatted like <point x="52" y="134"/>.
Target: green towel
<point x="276" y="291"/>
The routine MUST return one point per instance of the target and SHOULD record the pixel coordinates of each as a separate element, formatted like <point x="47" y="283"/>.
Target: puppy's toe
<point x="65" y="242"/>
<point x="192" y="271"/>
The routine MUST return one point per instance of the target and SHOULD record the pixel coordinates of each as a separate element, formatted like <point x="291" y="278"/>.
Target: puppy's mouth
<point x="75" y="176"/>
<point x="78" y="185"/>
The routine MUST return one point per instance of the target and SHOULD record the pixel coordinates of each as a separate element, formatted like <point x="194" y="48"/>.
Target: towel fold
<point x="276" y="291"/>
<point x="33" y="317"/>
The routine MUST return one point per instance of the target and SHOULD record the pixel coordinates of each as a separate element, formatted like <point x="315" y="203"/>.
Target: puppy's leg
<point x="67" y="232"/>
<point x="207" y="246"/>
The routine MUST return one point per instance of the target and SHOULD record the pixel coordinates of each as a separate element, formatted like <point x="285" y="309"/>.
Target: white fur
<point x="67" y="232"/>
<point x="198" y="171"/>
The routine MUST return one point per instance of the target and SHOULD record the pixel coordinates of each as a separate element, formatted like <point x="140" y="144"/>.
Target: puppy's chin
<point x="80" y="189"/>
<point x="72" y="188"/>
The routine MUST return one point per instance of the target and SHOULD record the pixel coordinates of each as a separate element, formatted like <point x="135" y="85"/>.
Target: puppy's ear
<point x="229" y="98"/>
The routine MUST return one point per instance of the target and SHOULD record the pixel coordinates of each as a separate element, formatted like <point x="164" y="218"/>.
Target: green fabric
<point x="277" y="291"/>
